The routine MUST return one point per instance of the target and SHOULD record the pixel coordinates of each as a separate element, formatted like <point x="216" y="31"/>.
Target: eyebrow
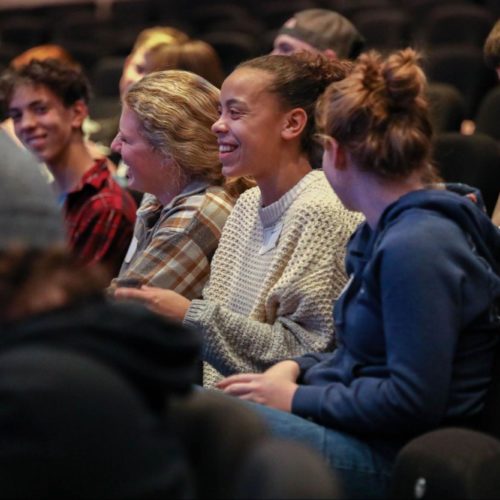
<point x="233" y="101"/>
<point x="31" y="104"/>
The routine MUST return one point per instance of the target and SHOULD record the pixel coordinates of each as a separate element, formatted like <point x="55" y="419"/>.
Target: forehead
<point x="129" y="123"/>
<point x="25" y="93"/>
<point x="137" y="58"/>
<point x="247" y="85"/>
<point x="293" y="44"/>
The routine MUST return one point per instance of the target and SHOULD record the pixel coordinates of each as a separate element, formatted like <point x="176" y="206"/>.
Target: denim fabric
<point x="363" y="466"/>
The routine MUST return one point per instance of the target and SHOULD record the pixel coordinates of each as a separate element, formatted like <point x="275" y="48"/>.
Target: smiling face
<point x="250" y="124"/>
<point x="43" y="124"/>
<point x="148" y="170"/>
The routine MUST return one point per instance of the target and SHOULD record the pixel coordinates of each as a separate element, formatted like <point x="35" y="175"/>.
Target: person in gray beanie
<point x="319" y="31"/>
<point x="38" y="272"/>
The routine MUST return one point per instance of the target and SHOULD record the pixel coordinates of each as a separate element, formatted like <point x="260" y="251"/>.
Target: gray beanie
<point x="325" y="29"/>
<point x="29" y="215"/>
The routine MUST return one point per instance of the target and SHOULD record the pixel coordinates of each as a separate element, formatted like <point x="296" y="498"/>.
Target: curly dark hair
<point x="67" y="82"/>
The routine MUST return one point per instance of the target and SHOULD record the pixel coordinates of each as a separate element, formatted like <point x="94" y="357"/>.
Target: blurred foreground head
<point x="29" y="215"/>
<point x="37" y="271"/>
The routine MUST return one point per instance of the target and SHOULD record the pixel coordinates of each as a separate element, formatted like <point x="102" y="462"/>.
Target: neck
<point x="382" y="193"/>
<point x="281" y="178"/>
<point x="69" y="168"/>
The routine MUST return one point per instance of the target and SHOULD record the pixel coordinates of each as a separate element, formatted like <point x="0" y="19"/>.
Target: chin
<point x="232" y="171"/>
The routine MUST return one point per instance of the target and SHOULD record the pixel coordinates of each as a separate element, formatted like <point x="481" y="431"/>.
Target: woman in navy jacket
<point x="419" y="320"/>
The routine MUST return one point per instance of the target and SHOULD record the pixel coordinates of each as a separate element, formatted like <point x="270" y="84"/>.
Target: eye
<point x="15" y="116"/>
<point x="40" y="109"/>
<point x="234" y="113"/>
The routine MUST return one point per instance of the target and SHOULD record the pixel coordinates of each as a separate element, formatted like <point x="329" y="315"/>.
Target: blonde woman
<point x="171" y="154"/>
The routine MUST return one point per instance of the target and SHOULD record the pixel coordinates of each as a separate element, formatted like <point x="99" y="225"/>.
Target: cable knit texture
<point x="274" y="279"/>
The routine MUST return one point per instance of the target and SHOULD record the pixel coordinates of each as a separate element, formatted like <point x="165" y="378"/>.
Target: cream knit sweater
<point x="274" y="279"/>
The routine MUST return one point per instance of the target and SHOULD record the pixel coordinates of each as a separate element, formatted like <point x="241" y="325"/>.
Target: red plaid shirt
<point x="100" y="218"/>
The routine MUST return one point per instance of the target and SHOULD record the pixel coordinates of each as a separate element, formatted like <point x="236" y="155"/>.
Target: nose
<point x="116" y="145"/>
<point x="219" y="126"/>
<point x="27" y="121"/>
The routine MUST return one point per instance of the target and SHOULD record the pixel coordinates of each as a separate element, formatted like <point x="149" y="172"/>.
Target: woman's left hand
<point x="261" y="388"/>
<point x="165" y="302"/>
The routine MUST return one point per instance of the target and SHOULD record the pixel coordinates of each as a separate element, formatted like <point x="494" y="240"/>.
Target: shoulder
<point x="318" y="202"/>
<point x="423" y="229"/>
<point x="113" y="198"/>
<point x="423" y="241"/>
<point x="210" y="207"/>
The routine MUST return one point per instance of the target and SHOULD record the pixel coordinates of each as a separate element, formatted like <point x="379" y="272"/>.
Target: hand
<point x="275" y="387"/>
<point x="165" y="302"/>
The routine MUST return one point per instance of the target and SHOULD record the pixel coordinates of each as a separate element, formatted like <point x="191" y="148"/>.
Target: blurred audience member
<point x="196" y="56"/>
<point x="319" y="30"/>
<point x="150" y="38"/>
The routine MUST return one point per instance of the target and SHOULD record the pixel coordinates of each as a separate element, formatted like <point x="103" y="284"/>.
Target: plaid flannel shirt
<point x="173" y="245"/>
<point x="100" y="217"/>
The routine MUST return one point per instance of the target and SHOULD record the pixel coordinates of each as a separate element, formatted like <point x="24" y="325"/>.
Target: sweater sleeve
<point x="421" y="302"/>
<point x="300" y="303"/>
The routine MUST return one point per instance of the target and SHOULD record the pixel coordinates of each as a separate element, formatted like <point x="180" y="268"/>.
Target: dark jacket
<point x="417" y="324"/>
<point x="156" y="356"/>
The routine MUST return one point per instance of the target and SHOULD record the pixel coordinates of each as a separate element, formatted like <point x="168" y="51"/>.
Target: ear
<point x="336" y="152"/>
<point x="330" y="54"/>
<point x="294" y="123"/>
<point x="79" y="111"/>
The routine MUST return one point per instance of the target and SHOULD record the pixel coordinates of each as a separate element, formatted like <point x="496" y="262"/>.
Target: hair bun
<point x="404" y="79"/>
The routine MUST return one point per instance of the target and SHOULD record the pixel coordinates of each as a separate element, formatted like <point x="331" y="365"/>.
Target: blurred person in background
<point x="319" y="31"/>
<point x="196" y="56"/>
<point x="149" y="38"/>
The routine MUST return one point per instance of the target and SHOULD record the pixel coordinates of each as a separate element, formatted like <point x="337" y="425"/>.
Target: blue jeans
<point x="362" y="465"/>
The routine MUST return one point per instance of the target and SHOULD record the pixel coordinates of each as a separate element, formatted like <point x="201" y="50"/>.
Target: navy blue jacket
<point x="416" y="326"/>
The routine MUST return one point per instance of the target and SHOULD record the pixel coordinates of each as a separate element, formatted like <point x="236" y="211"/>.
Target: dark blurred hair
<point x="42" y="52"/>
<point x="67" y="82"/>
<point x="28" y="278"/>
